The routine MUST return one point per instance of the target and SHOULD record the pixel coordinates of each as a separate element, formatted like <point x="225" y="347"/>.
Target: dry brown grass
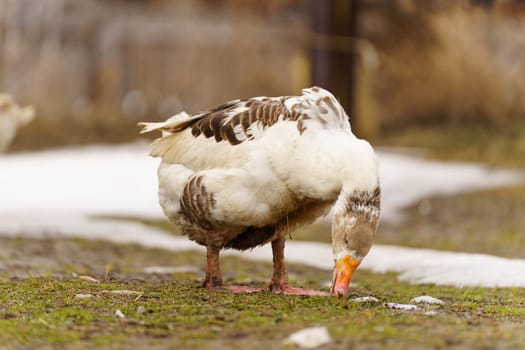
<point x="91" y="79"/>
<point x="469" y="69"/>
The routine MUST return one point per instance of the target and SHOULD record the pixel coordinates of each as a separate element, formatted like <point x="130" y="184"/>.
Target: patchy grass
<point x="504" y="147"/>
<point x="489" y="221"/>
<point x="173" y="311"/>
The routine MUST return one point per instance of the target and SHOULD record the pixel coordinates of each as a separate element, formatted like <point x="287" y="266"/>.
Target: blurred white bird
<point x="12" y="117"/>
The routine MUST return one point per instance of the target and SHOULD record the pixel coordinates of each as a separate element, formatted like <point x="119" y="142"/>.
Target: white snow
<point x="55" y="193"/>
<point x="427" y="299"/>
<point x="118" y="180"/>
<point x="122" y="180"/>
<point x="413" y="265"/>
<point x="309" y="338"/>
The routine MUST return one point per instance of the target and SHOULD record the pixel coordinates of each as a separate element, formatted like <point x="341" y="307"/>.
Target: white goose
<point x="12" y="117"/>
<point x="251" y="171"/>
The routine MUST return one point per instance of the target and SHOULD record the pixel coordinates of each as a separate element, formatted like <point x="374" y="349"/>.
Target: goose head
<point x="354" y="226"/>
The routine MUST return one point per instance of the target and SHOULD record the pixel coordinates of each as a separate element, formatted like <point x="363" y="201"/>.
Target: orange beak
<point x="344" y="269"/>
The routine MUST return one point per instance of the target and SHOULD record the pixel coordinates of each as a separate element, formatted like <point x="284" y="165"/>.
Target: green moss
<point x="176" y="311"/>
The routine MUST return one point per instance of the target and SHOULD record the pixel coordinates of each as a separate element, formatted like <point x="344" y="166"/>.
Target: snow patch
<point x="122" y="180"/>
<point x="111" y="180"/>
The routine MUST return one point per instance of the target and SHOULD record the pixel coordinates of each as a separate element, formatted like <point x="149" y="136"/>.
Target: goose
<point x="251" y="171"/>
<point x="12" y="117"/>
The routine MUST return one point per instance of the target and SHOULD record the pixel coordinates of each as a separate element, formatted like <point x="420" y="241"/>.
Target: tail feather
<point x="176" y="123"/>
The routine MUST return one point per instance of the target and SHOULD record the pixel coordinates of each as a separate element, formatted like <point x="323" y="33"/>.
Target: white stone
<point x="401" y="306"/>
<point x="427" y="299"/>
<point x="119" y="314"/>
<point x="365" y="299"/>
<point x="309" y="338"/>
<point x="84" y="296"/>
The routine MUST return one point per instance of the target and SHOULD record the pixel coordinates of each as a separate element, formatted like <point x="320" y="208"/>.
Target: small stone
<point x="309" y="338"/>
<point x="88" y="279"/>
<point x="119" y="314"/>
<point x="426" y="299"/>
<point x="401" y="306"/>
<point x="84" y="296"/>
<point x="365" y="299"/>
<point x="141" y="309"/>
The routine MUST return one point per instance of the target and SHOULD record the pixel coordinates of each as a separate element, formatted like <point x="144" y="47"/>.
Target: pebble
<point x="401" y="306"/>
<point x="119" y="314"/>
<point x="84" y="296"/>
<point x="427" y="299"/>
<point x="365" y="299"/>
<point x="88" y="279"/>
<point x="309" y="338"/>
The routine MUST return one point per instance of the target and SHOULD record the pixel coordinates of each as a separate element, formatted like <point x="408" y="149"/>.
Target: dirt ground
<point x="40" y="281"/>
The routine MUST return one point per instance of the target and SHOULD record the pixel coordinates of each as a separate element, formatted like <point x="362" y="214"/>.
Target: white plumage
<point x="251" y="171"/>
<point x="12" y="117"/>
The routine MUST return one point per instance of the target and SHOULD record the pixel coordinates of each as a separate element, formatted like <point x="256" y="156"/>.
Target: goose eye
<point x="346" y="241"/>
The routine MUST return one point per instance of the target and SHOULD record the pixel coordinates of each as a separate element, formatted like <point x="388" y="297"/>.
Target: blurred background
<point x="408" y="72"/>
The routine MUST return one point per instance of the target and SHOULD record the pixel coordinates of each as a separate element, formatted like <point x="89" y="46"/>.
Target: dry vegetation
<point x="95" y="64"/>
<point x="92" y="69"/>
<point x="452" y="64"/>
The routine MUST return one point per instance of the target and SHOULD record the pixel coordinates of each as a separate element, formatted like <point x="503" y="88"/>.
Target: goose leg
<point x="213" y="280"/>
<point x="279" y="282"/>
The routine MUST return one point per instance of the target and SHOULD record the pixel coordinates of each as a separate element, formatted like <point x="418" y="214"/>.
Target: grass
<point x="476" y="142"/>
<point x="489" y="221"/>
<point x="173" y="311"/>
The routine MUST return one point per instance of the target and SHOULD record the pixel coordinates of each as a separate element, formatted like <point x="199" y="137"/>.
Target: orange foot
<point x="288" y="290"/>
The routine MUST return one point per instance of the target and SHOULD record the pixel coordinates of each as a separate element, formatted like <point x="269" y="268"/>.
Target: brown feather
<point x="266" y="112"/>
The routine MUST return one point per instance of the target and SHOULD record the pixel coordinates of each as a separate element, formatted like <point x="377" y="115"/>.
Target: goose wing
<point x="242" y="120"/>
